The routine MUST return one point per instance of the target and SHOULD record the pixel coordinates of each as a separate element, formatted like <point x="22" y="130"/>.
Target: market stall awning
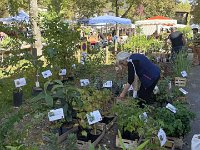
<point x="157" y="20"/>
<point x="109" y="20"/>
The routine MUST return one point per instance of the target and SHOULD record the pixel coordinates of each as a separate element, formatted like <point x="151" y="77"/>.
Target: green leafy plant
<point x="178" y="124"/>
<point x="181" y="63"/>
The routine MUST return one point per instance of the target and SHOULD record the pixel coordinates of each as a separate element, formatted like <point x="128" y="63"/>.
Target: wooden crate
<point x="63" y="137"/>
<point x="169" y="145"/>
<point x="178" y="142"/>
<point x="108" y="126"/>
<point x="129" y="144"/>
<point x="180" y="82"/>
<point x="81" y="145"/>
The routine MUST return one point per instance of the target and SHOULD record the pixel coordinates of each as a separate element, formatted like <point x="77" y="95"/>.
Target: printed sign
<point x="56" y="114"/>
<point x="20" y="82"/>
<point x="84" y="82"/>
<point x="63" y="72"/>
<point x="183" y="91"/>
<point x="107" y="84"/>
<point x="162" y="137"/>
<point x="184" y="73"/>
<point x="171" y="107"/>
<point x="94" y="117"/>
<point x="46" y="74"/>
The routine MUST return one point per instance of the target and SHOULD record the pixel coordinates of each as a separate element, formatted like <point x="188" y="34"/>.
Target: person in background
<point x="177" y="42"/>
<point x="92" y="39"/>
<point x="196" y="47"/>
<point x="147" y="72"/>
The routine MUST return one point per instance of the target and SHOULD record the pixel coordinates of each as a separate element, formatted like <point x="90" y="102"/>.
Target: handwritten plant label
<point x="107" y="84"/>
<point x="63" y="72"/>
<point x="56" y="114"/>
<point x="37" y="84"/>
<point x="143" y="117"/>
<point x="171" y="107"/>
<point x="162" y="137"/>
<point x="183" y="91"/>
<point x="184" y="73"/>
<point x="84" y="82"/>
<point x="94" y="117"/>
<point x="170" y="85"/>
<point x="20" y="82"/>
<point x="46" y="74"/>
<point x="134" y="94"/>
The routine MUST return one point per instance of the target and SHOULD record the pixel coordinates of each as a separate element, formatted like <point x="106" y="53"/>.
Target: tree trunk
<point x="117" y="8"/>
<point x="35" y="28"/>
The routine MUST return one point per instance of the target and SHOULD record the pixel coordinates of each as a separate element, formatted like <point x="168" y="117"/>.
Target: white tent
<point x="150" y="25"/>
<point x="20" y="17"/>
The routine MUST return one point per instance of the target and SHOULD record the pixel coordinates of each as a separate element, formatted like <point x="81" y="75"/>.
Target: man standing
<point x="196" y="47"/>
<point x="177" y="41"/>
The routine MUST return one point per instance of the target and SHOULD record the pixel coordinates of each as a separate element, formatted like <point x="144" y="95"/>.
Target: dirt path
<point x="193" y="97"/>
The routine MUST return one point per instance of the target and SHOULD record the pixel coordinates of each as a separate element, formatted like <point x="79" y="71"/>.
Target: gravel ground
<point x="193" y="97"/>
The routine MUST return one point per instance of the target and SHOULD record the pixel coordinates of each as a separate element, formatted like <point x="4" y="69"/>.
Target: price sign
<point x="183" y="91"/>
<point x="84" y="82"/>
<point x="56" y="114"/>
<point x="162" y="137"/>
<point x="107" y="84"/>
<point x="94" y="117"/>
<point x="171" y="107"/>
<point x="20" y="82"/>
<point x="63" y="72"/>
<point x="46" y="74"/>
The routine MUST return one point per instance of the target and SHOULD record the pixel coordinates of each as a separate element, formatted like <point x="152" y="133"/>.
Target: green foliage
<point x="177" y="124"/>
<point x="139" y="43"/>
<point x="128" y="118"/>
<point x="61" y="40"/>
<point x="187" y="32"/>
<point x="181" y="63"/>
<point x="71" y="142"/>
<point x="14" y="147"/>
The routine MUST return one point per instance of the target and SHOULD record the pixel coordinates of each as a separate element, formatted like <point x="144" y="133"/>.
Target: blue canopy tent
<point x="109" y="20"/>
<point x="20" y="17"/>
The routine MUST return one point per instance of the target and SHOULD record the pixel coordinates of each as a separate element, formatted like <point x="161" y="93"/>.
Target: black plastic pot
<point x="57" y="130"/>
<point x="82" y="137"/>
<point x="17" y="98"/>
<point x="129" y="135"/>
<point x="36" y="91"/>
<point x="107" y="119"/>
<point x="93" y="136"/>
<point x="50" y="86"/>
<point x="70" y="79"/>
<point x="66" y="127"/>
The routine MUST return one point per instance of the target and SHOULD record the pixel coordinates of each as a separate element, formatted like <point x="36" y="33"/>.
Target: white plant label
<point x="74" y="66"/>
<point x="171" y="107"/>
<point x="107" y="84"/>
<point x="184" y="73"/>
<point x="170" y="85"/>
<point x="37" y="84"/>
<point x="156" y="90"/>
<point x="134" y="94"/>
<point x="131" y="88"/>
<point x="94" y="117"/>
<point x="46" y="74"/>
<point x="183" y="91"/>
<point x="84" y="82"/>
<point x="63" y="72"/>
<point x="143" y="117"/>
<point x="20" y="82"/>
<point x="162" y="137"/>
<point x="56" y="114"/>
